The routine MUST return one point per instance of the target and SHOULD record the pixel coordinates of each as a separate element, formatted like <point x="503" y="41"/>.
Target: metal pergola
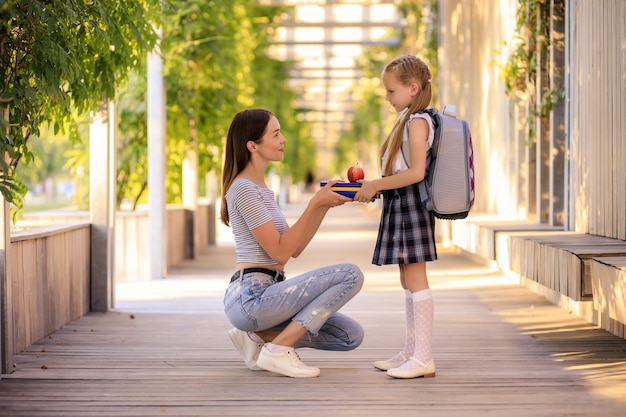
<point x="325" y="39"/>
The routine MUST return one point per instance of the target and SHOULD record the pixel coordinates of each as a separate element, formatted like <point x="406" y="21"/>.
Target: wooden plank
<point x="619" y="125"/>
<point x="30" y="316"/>
<point x="499" y="349"/>
<point x="16" y="295"/>
<point x="609" y="290"/>
<point x="554" y="256"/>
<point x="49" y="278"/>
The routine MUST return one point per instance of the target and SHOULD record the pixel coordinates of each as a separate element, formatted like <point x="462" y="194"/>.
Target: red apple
<point x="355" y="173"/>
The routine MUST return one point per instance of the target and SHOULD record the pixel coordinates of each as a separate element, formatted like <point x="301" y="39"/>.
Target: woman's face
<point x="399" y="95"/>
<point x="272" y="145"/>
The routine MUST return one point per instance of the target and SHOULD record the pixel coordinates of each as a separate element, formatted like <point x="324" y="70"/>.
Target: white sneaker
<point x="247" y="347"/>
<point x="414" y="368"/>
<point x="286" y="363"/>
<point x="394" y="362"/>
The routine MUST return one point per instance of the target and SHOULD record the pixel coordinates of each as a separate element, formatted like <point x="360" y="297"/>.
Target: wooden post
<point x="6" y="288"/>
<point x="6" y="293"/>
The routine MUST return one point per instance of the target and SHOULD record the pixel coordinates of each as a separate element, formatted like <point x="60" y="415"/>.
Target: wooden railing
<point x="49" y="267"/>
<point x="49" y="281"/>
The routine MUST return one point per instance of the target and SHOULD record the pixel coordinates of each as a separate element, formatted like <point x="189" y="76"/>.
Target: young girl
<point x="259" y="302"/>
<point x="406" y="233"/>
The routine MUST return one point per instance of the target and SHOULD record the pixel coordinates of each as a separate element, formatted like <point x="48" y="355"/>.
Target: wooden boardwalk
<point x="500" y="350"/>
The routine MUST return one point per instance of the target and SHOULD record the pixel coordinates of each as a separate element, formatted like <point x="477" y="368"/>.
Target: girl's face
<point x="400" y="96"/>
<point x="272" y="142"/>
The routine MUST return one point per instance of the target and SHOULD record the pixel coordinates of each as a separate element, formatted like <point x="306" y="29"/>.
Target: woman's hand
<point x="326" y="197"/>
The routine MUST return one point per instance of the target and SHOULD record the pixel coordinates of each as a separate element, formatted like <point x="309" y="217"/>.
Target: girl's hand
<point x="326" y="197"/>
<point x="366" y="193"/>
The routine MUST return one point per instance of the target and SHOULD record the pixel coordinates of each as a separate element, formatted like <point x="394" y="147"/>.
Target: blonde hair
<point x="407" y="69"/>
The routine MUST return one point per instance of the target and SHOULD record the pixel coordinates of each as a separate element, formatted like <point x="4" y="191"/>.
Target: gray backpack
<point x="448" y="189"/>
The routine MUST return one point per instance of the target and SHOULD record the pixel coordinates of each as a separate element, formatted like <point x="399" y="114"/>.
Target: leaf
<point x="61" y="57"/>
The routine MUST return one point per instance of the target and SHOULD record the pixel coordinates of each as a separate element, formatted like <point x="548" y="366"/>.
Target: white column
<point x="156" y="166"/>
<point x="102" y="206"/>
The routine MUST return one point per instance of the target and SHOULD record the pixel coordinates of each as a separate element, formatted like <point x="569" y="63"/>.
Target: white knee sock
<point x="423" y="313"/>
<point x="409" y="343"/>
<point x="424" y="310"/>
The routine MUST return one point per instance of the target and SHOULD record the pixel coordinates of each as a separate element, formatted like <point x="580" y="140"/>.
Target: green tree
<point x="48" y="156"/>
<point x="207" y="52"/>
<point x="272" y="91"/>
<point x="132" y="141"/>
<point x="367" y="128"/>
<point x="215" y="63"/>
<point x="59" y="58"/>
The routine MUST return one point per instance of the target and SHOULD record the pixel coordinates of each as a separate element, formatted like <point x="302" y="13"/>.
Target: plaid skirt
<point x="406" y="233"/>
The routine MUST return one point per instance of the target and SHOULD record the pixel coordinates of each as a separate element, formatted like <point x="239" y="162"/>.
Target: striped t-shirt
<point x="250" y="206"/>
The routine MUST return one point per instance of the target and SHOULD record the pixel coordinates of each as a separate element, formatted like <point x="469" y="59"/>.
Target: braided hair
<point x="408" y="69"/>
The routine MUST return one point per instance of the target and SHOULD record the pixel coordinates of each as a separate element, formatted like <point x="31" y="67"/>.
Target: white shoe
<point x="394" y="362"/>
<point x="414" y="368"/>
<point x="286" y="363"/>
<point x="247" y="347"/>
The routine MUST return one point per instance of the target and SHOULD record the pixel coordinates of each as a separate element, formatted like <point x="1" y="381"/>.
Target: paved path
<point x="500" y="350"/>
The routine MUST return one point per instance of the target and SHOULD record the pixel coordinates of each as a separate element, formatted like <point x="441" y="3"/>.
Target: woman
<point x="273" y="316"/>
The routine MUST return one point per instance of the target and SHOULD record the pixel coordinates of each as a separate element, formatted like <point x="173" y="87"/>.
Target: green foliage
<point x="77" y="159"/>
<point x="132" y="141"/>
<point x="367" y="128"/>
<point x="419" y="38"/>
<point x="204" y="63"/>
<point x="48" y="156"/>
<point x="272" y="92"/>
<point x="519" y="73"/>
<point x="215" y="65"/>
<point x="58" y="59"/>
<point x="521" y="67"/>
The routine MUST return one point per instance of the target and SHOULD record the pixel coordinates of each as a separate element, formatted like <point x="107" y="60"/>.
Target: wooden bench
<point x="608" y="283"/>
<point x="582" y="273"/>
<point x="561" y="261"/>
<point x="481" y="236"/>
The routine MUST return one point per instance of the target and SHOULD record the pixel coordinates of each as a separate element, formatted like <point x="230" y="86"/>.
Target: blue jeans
<point x="255" y="302"/>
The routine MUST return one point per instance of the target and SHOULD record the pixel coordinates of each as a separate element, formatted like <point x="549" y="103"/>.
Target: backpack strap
<point x="436" y="119"/>
<point x="424" y="185"/>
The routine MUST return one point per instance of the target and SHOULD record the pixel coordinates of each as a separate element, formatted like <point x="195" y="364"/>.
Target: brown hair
<point x="407" y="69"/>
<point x="247" y="125"/>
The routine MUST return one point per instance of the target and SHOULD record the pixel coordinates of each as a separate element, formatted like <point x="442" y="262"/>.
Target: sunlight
<point x="382" y="12"/>
<point x="348" y="13"/>
<point x="348" y="34"/>
<point x="310" y="13"/>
